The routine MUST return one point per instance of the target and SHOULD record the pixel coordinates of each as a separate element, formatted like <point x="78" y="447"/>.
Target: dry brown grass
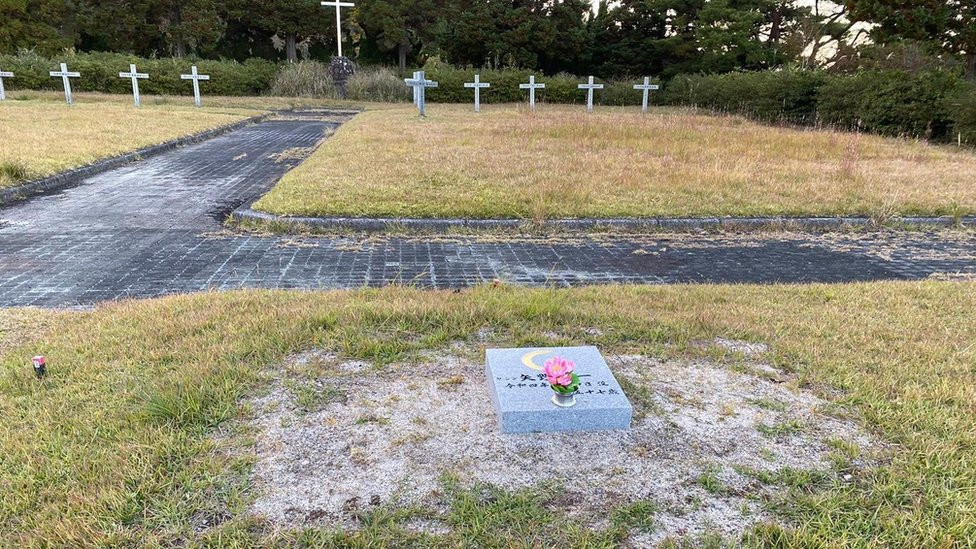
<point x="41" y="138"/>
<point x="40" y="135"/>
<point x="560" y="162"/>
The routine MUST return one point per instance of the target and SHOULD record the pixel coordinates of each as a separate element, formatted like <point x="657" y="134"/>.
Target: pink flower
<point x="558" y="370"/>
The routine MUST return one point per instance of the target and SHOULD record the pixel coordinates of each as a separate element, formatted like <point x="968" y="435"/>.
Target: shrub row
<point x="934" y="104"/>
<point x="312" y="79"/>
<point x="560" y="88"/>
<point x="100" y="72"/>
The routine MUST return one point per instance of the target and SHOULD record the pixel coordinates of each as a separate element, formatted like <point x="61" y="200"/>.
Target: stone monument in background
<point x="340" y="69"/>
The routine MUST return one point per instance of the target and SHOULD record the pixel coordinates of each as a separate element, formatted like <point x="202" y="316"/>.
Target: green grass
<point x="117" y="448"/>
<point x="13" y="172"/>
<point x="785" y="428"/>
<point x="708" y="479"/>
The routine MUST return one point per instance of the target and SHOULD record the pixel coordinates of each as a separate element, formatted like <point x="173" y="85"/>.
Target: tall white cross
<point x="65" y="75"/>
<point x="419" y="83"/>
<point x="646" y="86"/>
<point x="477" y="85"/>
<point x="4" y="74"/>
<point x="196" y="82"/>
<point x="135" y="76"/>
<point x="531" y="86"/>
<point x="589" y="87"/>
<point x="337" y="5"/>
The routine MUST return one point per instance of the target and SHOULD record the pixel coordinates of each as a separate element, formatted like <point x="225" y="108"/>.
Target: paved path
<point x="154" y="227"/>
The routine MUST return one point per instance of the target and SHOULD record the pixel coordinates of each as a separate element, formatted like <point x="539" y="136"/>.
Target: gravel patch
<point x="699" y="429"/>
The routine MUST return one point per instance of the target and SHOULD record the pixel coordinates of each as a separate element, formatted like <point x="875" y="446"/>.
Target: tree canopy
<point x="627" y="37"/>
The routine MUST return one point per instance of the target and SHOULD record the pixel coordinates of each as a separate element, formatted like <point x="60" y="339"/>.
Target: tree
<point x="745" y="34"/>
<point x="45" y="25"/>
<point x="669" y="37"/>
<point x="189" y="25"/>
<point x="109" y="25"/>
<point x="653" y="37"/>
<point x="944" y="26"/>
<point x="549" y="36"/>
<point x="292" y="20"/>
<point x="569" y="49"/>
<point x="401" y="25"/>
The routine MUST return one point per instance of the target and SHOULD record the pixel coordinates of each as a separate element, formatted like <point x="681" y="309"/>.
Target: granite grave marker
<point x="523" y="398"/>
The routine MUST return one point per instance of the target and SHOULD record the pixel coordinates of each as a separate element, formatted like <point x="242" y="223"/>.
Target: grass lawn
<point x="561" y="162"/>
<point x="43" y="136"/>
<point x="131" y="440"/>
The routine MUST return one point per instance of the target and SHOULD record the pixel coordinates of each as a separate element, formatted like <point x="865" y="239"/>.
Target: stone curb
<point x="75" y="176"/>
<point x="442" y="225"/>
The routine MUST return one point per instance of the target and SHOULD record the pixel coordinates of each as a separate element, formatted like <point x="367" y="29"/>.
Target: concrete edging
<point x="75" y="176"/>
<point x="360" y="224"/>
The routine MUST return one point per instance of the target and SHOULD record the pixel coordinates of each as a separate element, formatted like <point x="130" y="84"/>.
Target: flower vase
<point x="564" y="400"/>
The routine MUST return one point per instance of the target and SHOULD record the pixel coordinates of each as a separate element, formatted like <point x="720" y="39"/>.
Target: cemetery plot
<point x="155" y="396"/>
<point x="41" y="138"/>
<point x="561" y="162"/>
<point x="702" y="437"/>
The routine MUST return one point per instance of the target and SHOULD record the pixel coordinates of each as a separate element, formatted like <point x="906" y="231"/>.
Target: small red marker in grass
<point x="40" y="366"/>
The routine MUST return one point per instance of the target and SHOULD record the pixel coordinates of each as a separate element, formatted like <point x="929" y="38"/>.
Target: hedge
<point x="100" y="72"/>
<point x="788" y="95"/>
<point x="560" y="88"/>
<point x="962" y="113"/>
<point x="935" y="104"/>
<point x="891" y="102"/>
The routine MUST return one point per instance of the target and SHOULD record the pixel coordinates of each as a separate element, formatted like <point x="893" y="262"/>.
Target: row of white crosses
<point x="419" y="83"/>
<point x="65" y="75"/>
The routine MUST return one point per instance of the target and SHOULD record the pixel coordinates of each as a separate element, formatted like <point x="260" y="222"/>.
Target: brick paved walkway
<point x="154" y="227"/>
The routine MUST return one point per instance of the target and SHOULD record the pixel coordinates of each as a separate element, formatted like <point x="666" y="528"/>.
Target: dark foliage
<point x="100" y="72"/>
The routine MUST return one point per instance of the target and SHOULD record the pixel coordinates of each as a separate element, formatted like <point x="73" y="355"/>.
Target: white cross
<point x="646" y="86"/>
<point x="135" y="76"/>
<point x="196" y="82"/>
<point x="419" y="83"/>
<point x="65" y="75"/>
<point x="477" y="85"/>
<point x="589" y="87"/>
<point x="531" y="86"/>
<point x="4" y="74"/>
<point x="416" y="90"/>
<point x="337" y="5"/>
